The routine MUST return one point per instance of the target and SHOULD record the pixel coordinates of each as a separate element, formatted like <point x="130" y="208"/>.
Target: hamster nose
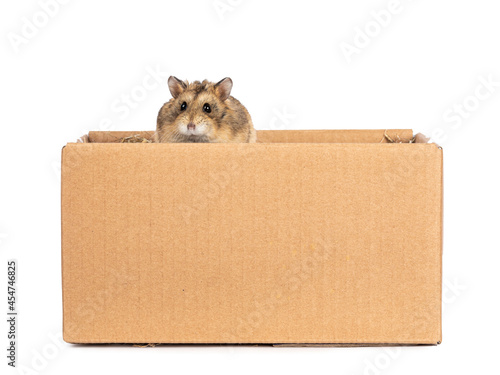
<point x="191" y="126"/>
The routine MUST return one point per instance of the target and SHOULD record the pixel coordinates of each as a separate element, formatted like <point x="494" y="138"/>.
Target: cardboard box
<point x="308" y="237"/>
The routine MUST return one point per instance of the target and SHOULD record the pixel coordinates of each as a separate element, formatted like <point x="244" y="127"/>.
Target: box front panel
<point x="264" y="243"/>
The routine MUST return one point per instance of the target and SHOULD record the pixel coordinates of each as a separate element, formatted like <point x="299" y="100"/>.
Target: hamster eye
<point x="206" y="108"/>
<point x="183" y="106"/>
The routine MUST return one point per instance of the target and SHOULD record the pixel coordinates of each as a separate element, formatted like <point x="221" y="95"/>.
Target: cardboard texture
<point x="308" y="237"/>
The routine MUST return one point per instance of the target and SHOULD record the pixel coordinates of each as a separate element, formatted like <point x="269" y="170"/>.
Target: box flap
<point x="286" y="136"/>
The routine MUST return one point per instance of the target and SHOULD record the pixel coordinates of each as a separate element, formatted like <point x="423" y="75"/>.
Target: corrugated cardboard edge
<point x="62" y="234"/>
<point x="83" y="139"/>
<point x="442" y="245"/>
<point x="350" y="345"/>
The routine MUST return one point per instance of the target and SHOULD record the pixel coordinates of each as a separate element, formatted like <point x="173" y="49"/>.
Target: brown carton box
<point x="308" y="237"/>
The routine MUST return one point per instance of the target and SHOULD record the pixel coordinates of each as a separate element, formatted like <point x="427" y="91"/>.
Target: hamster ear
<point x="223" y="88"/>
<point x="176" y="86"/>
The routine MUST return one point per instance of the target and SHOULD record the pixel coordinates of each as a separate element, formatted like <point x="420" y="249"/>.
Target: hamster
<point x="203" y="112"/>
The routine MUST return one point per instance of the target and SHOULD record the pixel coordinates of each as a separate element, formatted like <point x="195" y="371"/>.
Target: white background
<point x="424" y="68"/>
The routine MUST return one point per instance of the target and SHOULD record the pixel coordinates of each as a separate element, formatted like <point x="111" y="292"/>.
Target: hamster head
<point x="203" y="112"/>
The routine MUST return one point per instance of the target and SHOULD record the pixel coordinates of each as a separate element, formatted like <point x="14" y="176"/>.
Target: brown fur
<point x="229" y="120"/>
